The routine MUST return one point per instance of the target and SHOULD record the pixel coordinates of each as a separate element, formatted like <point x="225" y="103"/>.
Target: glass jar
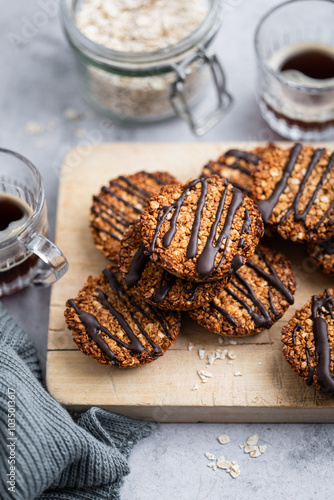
<point x="294" y="105"/>
<point x="150" y="86"/>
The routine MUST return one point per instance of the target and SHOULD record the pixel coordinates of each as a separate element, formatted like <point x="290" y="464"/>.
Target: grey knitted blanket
<point x="44" y="454"/>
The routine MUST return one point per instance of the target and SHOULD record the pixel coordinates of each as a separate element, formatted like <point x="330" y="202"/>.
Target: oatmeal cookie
<point x="236" y="166"/>
<point x="322" y="252"/>
<point x="256" y="297"/>
<point x="308" y="342"/>
<point x="157" y="286"/>
<point x="202" y="230"/>
<point x="294" y="190"/>
<point x="115" y="328"/>
<point x="119" y="205"/>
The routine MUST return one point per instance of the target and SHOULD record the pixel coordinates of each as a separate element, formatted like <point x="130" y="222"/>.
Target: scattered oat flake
<point x="262" y="448"/>
<point x="231" y="355"/>
<point x="79" y="132"/>
<point x="223" y="464"/>
<point x="238" y="374"/>
<point x="211" y="358"/>
<point x="252" y="440"/>
<point x="255" y="453"/>
<point x="201" y="353"/>
<point x="195" y="388"/>
<point x="249" y="449"/>
<point x="210" y="456"/>
<point x="72" y="114"/>
<point x="233" y="342"/>
<point x="260" y="363"/>
<point x="33" y="128"/>
<point x="229" y="363"/>
<point x="234" y="470"/>
<point x="224" y="439"/>
<point x="190" y="346"/>
<point x="212" y="465"/>
<point x="220" y="340"/>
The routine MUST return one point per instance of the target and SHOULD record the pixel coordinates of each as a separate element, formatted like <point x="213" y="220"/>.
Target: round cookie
<point x="235" y="166"/>
<point x="256" y="297"/>
<point x="308" y="342"/>
<point x="157" y="286"/>
<point x="322" y="253"/>
<point x="119" y="205"/>
<point x="202" y="230"/>
<point x="115" y="328"/>
<point x="294" y="190"/>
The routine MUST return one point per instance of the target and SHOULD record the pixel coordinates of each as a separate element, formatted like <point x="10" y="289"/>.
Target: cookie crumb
<point x="224" y="439"/>
<point x="238" y="374"/>
<point x="201" y="353"/>
<point x="204" y="376"/>
<point x="233" y="342"/>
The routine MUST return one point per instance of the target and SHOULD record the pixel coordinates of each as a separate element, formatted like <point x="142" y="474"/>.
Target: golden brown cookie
<point x="294" y="190"/>
<point x="322" y="253"/>
<point x="157" y="286"/>
<point x="308" y="342"/>
<point x="114" y="328"/>
<point x="236" y="166"/>
<point x="202" y="230"/>
<point x="119" y="205"/>
<point x="256" y="297"/>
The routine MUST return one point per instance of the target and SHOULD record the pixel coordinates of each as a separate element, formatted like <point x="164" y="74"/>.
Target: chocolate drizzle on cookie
<point x="166" y="283"/>
<point x="267" y="206"/>
<point x="258" y="311"/>
<point x="215" y="167"/>
<point x="137" y="267"/>
<point x="296" y="329"/>
<point x="118" y="218"/>
<point x="327" y="247"/>
<point x="93" y="326"/>
<point x="322" y="307"/>
<point x="206" y="260"/>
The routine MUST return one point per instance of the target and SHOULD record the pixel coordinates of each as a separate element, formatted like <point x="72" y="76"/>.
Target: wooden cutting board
<point x="267" y="391"/>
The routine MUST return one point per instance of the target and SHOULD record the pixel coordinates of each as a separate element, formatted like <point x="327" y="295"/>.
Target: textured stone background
<point x="37" y="84"/>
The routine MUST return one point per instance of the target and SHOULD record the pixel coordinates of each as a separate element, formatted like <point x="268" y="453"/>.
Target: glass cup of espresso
<point x="26" y="255"/>
<point x="294" y="45"/>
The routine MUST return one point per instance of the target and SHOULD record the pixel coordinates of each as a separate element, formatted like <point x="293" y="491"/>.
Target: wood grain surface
<point x="267" y="391"/>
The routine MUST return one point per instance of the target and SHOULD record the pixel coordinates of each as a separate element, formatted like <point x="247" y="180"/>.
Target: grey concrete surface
<point x="37" y="83"/>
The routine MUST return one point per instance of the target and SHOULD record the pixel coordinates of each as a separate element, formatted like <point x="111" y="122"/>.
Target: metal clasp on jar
<point x="179" y="100"/>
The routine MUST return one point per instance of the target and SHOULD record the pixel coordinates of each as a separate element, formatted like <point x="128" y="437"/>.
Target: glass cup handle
<point x="179" y="101"/>
<point x="55" y="261"/>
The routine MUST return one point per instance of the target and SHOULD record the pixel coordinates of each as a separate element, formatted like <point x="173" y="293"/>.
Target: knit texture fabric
<point x="54" y="457"/>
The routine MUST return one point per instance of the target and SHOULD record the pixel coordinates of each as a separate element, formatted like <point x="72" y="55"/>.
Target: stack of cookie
<point x="195" y="248"/>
